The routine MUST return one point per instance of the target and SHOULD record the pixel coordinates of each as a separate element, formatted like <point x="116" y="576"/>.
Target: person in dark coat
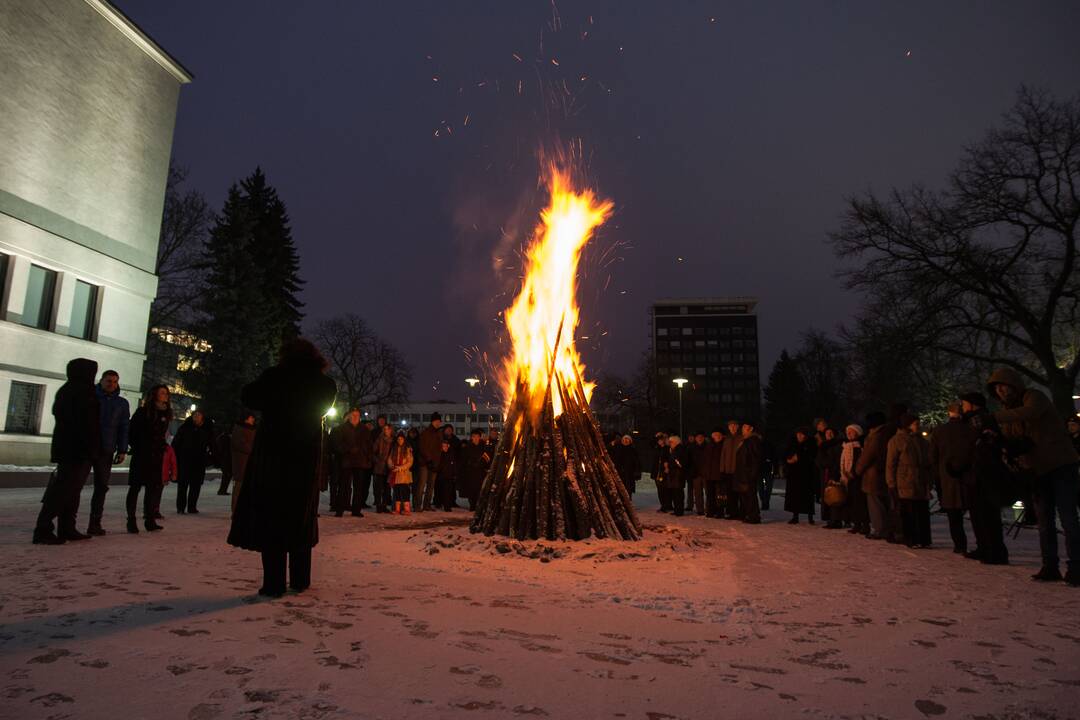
<point x="426" y="464"/>
<point x="748" y="473"/>
<point x="870" y="470"/>
<point x="447" y="477"/>
<point x="147" y="439"/>
<point x="354" y="450"/>
<point x="475" y="460"/>
<point x="76" y="445"/>
<point x="801" y="476"/>
<point x="278" y="505"/>
<point x="223" y="459"/>
<point x="992" y="477"/>
<point x="695" y="485"/>
<point x="1073" y="426"/>
<point x="730" y="507"/>
<point x="952" y="447"/>
<point x="194" y="448"/>
<point x="384" y="442"/>
<point x="115" y="416"/>
<point x="660" y="451"/>
<point x="674" y="467"/>
<point x="627" y="463"/>
<point x="713" y="475"/>
<point x="827" y="464"/>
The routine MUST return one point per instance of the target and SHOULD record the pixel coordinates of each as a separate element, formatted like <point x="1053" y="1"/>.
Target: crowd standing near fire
<point x="876" y="478"/>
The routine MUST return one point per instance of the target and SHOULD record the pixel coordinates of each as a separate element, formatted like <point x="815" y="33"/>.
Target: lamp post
<point x="472" y="382"/>
<point x="680" y="382"/>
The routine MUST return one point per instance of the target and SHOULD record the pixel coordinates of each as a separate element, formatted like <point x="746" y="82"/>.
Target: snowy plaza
<point x="415" y="617"/>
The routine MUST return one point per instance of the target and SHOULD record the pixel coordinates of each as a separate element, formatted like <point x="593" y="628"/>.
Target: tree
<point x="185" y="218"/>
<point x="786" y="402"/>
<point x="368" y="370"/>
<point x="824" y="368"/>
<point x="249" y="306"/>
<point x="985" y="270"/>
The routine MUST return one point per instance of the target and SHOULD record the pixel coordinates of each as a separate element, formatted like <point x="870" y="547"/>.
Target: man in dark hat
<point x="431" y="440"/>
<point x="76" y="444"/>
<point x="1028" y="415"/>
<point x="991" y="477"/>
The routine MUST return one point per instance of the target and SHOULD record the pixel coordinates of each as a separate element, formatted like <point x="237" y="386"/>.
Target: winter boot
<point x="46" y="537"/>
<point x="73" y="535"/>
<point x="152" y="526"/>
<point x="132" y="526"/>
<point x="95" y="527"/>
<point x="408" y="509"/>
<point x="1047" y="574"/>
<point x="397" y="508"/>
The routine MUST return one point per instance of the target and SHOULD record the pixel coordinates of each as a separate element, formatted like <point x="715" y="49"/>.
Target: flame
<point x="544" y="316"/>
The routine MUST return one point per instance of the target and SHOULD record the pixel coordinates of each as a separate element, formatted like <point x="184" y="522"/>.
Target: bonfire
<point x="551" y="476"/>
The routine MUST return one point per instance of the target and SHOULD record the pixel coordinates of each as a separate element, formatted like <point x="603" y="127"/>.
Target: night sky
<point x="727" y="134"/>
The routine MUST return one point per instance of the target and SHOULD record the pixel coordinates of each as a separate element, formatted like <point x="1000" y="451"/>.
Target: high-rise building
<point x="87" y="109"/>
<point x="713" y="344"/>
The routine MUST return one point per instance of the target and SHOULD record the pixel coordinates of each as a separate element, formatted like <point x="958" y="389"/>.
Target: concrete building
<point x="713" y="344"/>
<point x="87" y="108"/>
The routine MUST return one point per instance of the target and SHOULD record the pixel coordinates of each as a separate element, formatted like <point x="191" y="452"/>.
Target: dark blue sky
<point x="727" y="134"/>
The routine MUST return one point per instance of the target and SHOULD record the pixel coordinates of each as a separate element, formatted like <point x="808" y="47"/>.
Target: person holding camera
<point x="1028" y="415"/>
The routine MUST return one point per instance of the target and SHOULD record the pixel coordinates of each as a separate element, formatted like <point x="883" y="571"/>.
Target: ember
<point x="551" y="476"/>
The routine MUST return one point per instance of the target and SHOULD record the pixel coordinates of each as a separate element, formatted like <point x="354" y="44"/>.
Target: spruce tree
<point x="250" y="305"/>
<point x="785" y="400"/>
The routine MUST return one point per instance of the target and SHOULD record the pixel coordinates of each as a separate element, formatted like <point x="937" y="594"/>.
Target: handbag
<point x="835" y="494"/>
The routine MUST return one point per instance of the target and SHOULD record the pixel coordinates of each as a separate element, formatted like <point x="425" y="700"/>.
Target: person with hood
<point x="855" y="508"/>
<point x="430" y="447"/>
<point x="991" y="476"/>
<point x="674" y="466"/>
<point x="870" y="470"/>
<point x="952" y="450"/>
<point x="748" y="472"/>
<point x="384" y="441"/>
<point x="627" y="463"/>
<point x="194" y="447"/>
<point x="76" y="446"/>
<point x="475" y="460"/>
<point x="115" y="417"/>
<point x="1052" y="460"/>
<point x="800" y="476"/>
<point x="446" y="476"/>
<point x="241" y="443"/>
<point x="907" y="473"/>
<point x="147" y="439"/>
<point x="278" y="505"/>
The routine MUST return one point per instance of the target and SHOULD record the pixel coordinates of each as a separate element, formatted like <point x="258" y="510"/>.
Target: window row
<point x="711" y="344"/>
<point x="689" y="357"/>
<point x="746" y="370"/>
<point x="42" y="296"/>
<point x="703" y="332"/>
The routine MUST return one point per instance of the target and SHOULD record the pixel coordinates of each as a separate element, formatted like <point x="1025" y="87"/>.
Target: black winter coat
<point x="475" y="460"/>
<point x="194" y="446"/>
<point x="354" y="446"/>
<point x="277" y="509"/>
<point x="627" y="464"/>
<point x="748" y="464"/>
<point x="146" y="435"/>
<point x="77" y="434"/>
<point x="801" y="477"/>
<point x="676" y="464"/>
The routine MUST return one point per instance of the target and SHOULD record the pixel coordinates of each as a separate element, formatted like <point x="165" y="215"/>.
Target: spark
<point x="466" y="123"/>
<point x="554" y="62"/>
<point x="517" y="57"/>
<point x="435" y="78"/>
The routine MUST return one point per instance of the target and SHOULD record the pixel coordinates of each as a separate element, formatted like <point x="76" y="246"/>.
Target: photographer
<point x="1052" y="461"/>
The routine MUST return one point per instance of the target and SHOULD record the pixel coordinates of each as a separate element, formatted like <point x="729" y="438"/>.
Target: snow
<point x="414" y="617"/>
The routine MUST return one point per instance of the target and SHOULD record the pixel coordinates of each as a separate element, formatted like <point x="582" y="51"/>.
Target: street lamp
<point x="331" y="413"/>
<point x="680" y="382"/>
<point x="472" y="382"/>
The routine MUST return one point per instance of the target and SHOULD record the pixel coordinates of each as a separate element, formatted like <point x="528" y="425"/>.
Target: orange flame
<point x="544" y="316"/>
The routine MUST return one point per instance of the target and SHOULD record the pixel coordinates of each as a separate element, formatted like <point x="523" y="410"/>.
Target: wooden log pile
<point x="552" y="477"/>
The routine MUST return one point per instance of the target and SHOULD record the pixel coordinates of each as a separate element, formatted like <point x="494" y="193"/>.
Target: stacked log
<point x="552" y="477"/>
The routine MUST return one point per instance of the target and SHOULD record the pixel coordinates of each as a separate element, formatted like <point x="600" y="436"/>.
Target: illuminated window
<point x="83" y="311"/>
<point x="40" y="289"/>
<point x="24" y="408"/>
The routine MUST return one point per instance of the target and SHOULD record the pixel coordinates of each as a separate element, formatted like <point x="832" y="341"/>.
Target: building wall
<point x="87" y="108"/>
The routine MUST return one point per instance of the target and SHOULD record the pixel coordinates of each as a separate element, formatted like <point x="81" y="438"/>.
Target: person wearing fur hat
<point x="855" y="507"/>
<point x="1052" y="460"/>
<point x="952" y="451"/>
<point x="907" y="473"/>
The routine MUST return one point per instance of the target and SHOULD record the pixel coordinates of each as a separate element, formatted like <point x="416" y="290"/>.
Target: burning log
<point x="551" y="476"/>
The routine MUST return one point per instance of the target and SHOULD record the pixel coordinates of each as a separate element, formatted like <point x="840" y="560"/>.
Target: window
<point x="661" y="344"/>
<point x="4" y="262"/>
<point x="83" y="311"/>
<point x="676" y="344"/>
<point x="737" y="330"/>
<point x="661" y="332"/>
<point x="699" y="371"/>
<point x="688" y="331"/>
<point x="40" y="288"/>
<point x="699" y="343"/>
<point x="714" y="398"/>
<point x="664" y="371"/>
<point x="24" y="408"/>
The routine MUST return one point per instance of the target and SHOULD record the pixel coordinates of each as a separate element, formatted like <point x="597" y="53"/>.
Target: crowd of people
<point x="876" y="479"/>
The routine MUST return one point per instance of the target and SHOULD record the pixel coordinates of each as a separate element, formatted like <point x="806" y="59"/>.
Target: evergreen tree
<point x="786" y="404"/>
<point x="250" y="304"/>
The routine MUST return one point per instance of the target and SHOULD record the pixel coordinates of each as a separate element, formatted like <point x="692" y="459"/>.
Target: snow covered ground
<point x="413" y="617"/>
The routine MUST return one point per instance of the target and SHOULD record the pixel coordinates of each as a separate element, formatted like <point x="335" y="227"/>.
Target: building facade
<point x="713" y="344"/>
<point x="87" y="109"/>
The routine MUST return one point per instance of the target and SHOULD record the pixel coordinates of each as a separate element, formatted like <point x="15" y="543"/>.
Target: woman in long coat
<point x="277" y="510"/>
<point x="146" y="436"/>
<point x="801" y="476"/>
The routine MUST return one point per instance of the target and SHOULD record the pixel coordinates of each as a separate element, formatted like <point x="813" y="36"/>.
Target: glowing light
<point x="331" y="413"/>
<point x="543" y="319"/>
<point x="680" y="382"/>
<point x="472" y="382"/>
